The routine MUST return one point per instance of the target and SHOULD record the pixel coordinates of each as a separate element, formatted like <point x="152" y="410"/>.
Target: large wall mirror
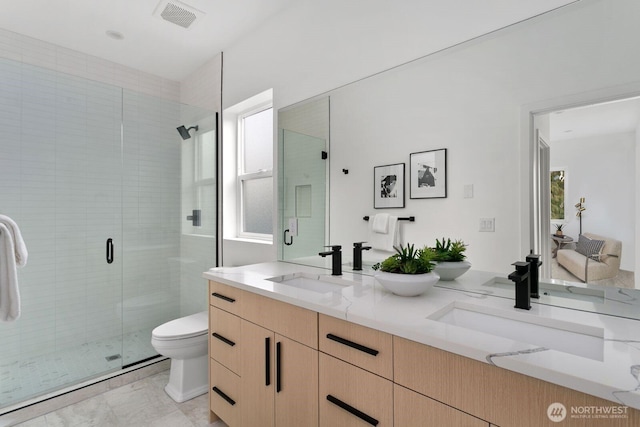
<point x="303" y="180"/>
<point x="494" y="103"/>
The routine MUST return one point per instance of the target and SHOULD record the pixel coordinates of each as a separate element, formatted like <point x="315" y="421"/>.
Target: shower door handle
<point x="109" y="250"/>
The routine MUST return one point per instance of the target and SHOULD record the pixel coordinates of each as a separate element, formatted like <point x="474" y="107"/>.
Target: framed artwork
<point x="428" y="174"/>
<point x="388" y="186"/>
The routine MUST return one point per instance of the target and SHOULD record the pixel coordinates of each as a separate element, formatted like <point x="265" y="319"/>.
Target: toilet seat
<point x="185" y="327"/>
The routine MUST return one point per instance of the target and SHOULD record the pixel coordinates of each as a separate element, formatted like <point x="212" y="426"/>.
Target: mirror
<point x="478" y="100"/>
<point x="303" y="135"/>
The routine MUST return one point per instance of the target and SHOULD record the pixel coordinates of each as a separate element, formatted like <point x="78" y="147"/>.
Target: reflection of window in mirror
<point x="558" y="187"/>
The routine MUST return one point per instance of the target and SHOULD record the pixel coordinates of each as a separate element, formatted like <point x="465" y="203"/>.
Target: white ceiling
<point x="153" y="45"/>
<point x="150" y="43"/>
<point x="599" y="119"/>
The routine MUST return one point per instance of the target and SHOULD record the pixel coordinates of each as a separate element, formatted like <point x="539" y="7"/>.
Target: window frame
<point x="242" y="176"/>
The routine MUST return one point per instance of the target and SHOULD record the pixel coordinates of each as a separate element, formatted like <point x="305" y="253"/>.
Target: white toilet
<point x="185" y="341"/>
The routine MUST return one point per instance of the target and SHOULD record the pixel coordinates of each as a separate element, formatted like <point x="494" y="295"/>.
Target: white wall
<point x="602" y="169"/>
<point x="317" y="45"/>
<point x="473" y="100"/>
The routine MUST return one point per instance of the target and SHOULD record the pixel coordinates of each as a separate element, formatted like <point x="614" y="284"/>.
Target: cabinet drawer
<point x="350" y="396"/>
<point x="415" y="410"/>
<point x="224" y="393"/>
<point x="225" y="297"/>
<point x="224" y="338"/>
<point x="293" y="322"/>
<point x="364" y="347"/>
<point x="449" y="378"/>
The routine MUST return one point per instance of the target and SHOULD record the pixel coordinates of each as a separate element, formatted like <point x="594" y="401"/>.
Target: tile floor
<point x="21" y="379"/>
<point x="138" y="404"/>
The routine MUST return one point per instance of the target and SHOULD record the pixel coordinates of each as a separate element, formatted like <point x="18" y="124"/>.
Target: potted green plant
<point x="409" y="272"/>
<point x="450" y="258"/>
<point x="559" y="228"/>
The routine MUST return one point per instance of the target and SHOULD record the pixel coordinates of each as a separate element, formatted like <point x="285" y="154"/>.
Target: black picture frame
<point x="428" y="174"/>
<point x="388" y="186"/>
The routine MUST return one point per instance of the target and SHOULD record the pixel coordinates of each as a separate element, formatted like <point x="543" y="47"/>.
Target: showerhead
<point x="184" y="132"/>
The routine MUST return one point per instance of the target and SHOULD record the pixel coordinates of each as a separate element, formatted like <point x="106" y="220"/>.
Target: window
<point x="558" y="185"/>
<point x="255" y="174"/>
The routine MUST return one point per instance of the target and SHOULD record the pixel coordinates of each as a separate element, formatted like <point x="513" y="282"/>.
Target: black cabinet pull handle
<point x="353" y="344"/>
<point x="224" y="396"/>
<point x="278" y="368"/>
<point x="267" y="361"/>
<point x="223" y="339"/>
<point x="352" y="410"/>
<point x="217" y="295"/>
<point x="109" y="250"/>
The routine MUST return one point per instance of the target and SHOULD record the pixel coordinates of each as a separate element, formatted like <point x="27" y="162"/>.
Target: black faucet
<point x="357" y="255"/>
<point x="534" y="274"/>
<point x="521" y="278"/>
<point x="336" y="259"/>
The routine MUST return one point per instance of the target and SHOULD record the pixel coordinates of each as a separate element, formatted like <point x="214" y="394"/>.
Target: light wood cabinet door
<point x="225" y="343"/>
<point x="415" y="410"/>
<point x="258" y="375"/>
<point x="296" y="384"/>
<point x="279" y="380"/>
<point x="352" y="397"/>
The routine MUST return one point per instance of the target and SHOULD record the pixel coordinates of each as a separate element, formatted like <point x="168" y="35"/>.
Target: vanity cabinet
<point x="275" y="364"/>
<point x="264" y="360"/>
<point x="502" y="397"/>
<point x="412" y="409"/>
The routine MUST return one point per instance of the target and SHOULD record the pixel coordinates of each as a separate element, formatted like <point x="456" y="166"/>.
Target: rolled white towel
<point x="9" y="293"/>
<point x="20" y="248"/>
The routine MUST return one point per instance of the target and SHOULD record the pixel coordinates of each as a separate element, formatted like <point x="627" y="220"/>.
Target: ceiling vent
<point x="177" y="13"/>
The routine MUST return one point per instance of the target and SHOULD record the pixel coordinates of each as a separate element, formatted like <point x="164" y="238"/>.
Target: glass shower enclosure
<point x="100" y="184"/>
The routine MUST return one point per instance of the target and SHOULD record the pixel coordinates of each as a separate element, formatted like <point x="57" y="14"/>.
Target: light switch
<point x="293" y="226"/>
<point x="488" y="224"/>
<point x="468" y="191"/>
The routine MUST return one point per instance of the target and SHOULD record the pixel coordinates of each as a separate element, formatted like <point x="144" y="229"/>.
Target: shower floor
<point x="28" y="378"/>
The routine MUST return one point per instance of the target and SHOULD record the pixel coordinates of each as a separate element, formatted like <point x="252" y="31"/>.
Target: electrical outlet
<point x="488" y="224"/>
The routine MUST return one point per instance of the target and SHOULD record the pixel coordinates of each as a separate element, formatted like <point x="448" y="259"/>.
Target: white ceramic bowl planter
<point x="451" y="270"/>
<point x="407" y="285"/>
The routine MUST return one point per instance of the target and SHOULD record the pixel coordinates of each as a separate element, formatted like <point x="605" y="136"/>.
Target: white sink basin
<point x="567" y="337"/>
<point x="554" y="290"/>
<point x="313" y="282"/>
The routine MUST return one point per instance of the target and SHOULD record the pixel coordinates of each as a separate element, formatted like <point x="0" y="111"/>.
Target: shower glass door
<point x="60" y="180"/>
<point x="95" y="177"/>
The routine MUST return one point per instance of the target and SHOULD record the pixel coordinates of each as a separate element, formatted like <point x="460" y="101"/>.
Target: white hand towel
<point x="385" y="242"/>
<point x="9" y="294"/>
<point x="19" y="246"/>
<point x="381" y="223"/>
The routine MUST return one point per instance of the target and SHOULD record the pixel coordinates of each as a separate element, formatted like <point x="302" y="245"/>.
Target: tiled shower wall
<point x="46" y="55"/>
<point x="150" y="197"/>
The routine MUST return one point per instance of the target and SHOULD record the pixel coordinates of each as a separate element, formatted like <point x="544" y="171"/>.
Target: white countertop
<point x="615" y="377"/>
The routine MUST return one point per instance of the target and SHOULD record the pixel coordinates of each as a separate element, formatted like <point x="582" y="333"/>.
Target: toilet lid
<point x="184" y="327"/>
